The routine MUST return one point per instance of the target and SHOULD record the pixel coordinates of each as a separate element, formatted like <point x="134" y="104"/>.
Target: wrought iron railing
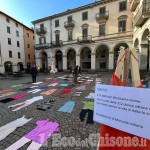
<point x="41" y="30"/>
<point x="104" y="15"/>
<point x="84" y="38"/>
<point x="57" y="43"/>
<point x="69" y="23"/>
<point x="42" y="45"/>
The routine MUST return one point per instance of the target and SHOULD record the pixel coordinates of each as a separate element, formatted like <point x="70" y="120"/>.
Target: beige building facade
<point x="89" y="36"/>
<point x="141" y="30"/>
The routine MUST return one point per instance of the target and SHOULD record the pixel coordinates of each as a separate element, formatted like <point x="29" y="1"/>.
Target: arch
<point x="102" y="57"/>
<point x="71" y="58"/>
<point x="44" y="60"/>
<point x="85" y="58"/>
<point x="99" y="46"/>
<point x="57" y="31"/>
<point x="84" y="46"/>
<point x="144" y="36"/>
<point x="85" y="25"/>
<point x="59" y="60"/>
<point x="8" y="66"/>
<point x="66" y="51"/>
<point x="122" y="17"/>
<point x="136" y="43"/>
<point x="20" y="66"/>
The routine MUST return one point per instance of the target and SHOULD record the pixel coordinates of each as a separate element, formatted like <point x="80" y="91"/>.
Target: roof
<point x="16" y="20"/>
<point x="69" y="11"/>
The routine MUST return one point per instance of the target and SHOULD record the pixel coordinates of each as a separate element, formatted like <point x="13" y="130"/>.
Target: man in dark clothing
<point x="34" y="73"/>
<point x="75" y="74"/>
<point x="79" y="70"/>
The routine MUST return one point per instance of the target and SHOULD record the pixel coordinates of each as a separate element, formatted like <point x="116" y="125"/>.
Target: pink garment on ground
<point x="19" y="96"/>
<point x="43" y="131"/>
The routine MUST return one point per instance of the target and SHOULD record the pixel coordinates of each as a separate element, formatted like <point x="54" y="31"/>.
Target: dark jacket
<point x="33" y="71"/>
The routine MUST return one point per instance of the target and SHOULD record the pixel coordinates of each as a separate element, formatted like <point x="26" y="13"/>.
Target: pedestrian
<point x="38" y="69"/>
<point x="79" y="70"/>
<point x="75" y="74"/>
<point x="34" y="73"/>
<point x="70" y="69"/>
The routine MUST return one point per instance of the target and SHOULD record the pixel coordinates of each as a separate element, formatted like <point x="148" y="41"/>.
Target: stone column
<point x="78" y="63"/>
<point x="64" y="62"/>
<point x="93" y="61"/>
<point x="111" y="61"/>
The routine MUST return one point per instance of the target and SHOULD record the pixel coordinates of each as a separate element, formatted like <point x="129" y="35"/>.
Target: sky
<point x="26" y="11"/>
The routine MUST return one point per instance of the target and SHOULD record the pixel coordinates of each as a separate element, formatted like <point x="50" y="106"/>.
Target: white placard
<point x="123" y="108"/>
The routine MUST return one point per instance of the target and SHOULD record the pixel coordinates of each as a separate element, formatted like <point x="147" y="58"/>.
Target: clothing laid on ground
<point x="88" y="105"/>
<point x="53" y="84"/>
<point x="35" y="91"/>
<point x="89" y="117"/>
<point x="38" y="136"/>
<point x="10" y="127"/>
<point x="90" y="96"/>
<point x="68" y="107"/>
<point x="19" y="96"/>
<point x="49" y="92"/>
<point x="26" y="103"/>
<point x="7" y="94"/>
<point x="6" y="100"/>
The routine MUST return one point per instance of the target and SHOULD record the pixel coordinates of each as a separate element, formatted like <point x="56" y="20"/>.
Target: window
<point x="7" y="19"/>
<point x="28" y="56"/>
<point x="70" y="35"/>
<point x="84" y="32"/>
<point x="102" y="10"/>
<point x="122" y="25"/>
<point x="28" y="35"/>
<point x="8" y="29"/>
<point x="57" y="38"/>
<point x="18" y="44"/>
<point x="9" y="41"/>
<point x="102" y="29"/>
<point x="28" y="45"/>
<point x="16" y="24"/>
<point x="10" y="54"/>
<point x="85" y="15"/>
<point x="17" y="33"/>
<point x="19" y="55"/>
<point x="103" y="53"/>
<point x="122" y="6"/>
<point x="42" y="40"/>
<point x="42" y="26"/>
<point x="56" y="23"/>
<point x="69" y="18"/>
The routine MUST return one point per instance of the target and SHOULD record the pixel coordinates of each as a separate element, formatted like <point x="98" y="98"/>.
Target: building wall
<point x="13" y="47"/>
<point x="29" y="51"/>
<point x="111" y="39"/>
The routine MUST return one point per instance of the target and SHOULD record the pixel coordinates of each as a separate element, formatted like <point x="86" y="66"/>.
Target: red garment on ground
<point x="66" y="91"/>
<point x="118" y="133"/>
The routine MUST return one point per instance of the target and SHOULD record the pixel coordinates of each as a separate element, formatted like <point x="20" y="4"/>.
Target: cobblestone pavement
<point x="70" y="124"/>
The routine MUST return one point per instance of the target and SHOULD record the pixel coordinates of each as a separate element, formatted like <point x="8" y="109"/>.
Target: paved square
<point x="70" y="124"/>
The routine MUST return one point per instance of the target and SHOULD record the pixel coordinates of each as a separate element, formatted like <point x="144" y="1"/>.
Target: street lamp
<point x="148" y="38"/>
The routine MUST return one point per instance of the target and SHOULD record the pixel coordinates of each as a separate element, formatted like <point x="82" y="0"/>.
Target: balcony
<point x="42" y="46"/>
<point x="85" y="39"/>
<point x="134" y="4"/>
<point x="57" y="43"/>
<point x="40" y="31"/>
<point x="69" y="24"/>
<point x="100" y="17"/>
<point x="142" y="15"/>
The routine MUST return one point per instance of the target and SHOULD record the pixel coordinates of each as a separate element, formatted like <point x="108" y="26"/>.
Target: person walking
<point x="34" y="73"/>
<point x="76" y="74"/>
<point x="79" y="70"/>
